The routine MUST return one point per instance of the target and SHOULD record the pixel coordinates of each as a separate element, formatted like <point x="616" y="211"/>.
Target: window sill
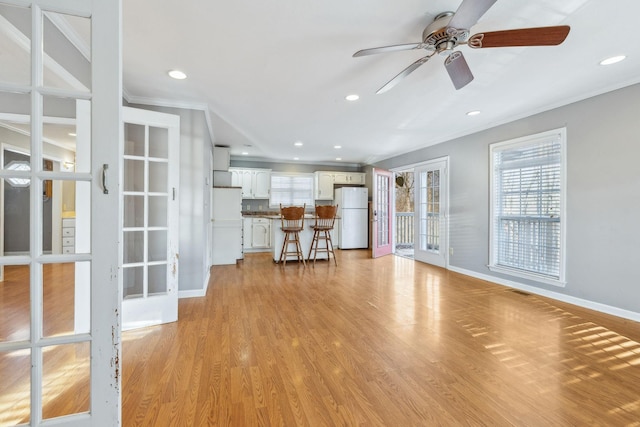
<point x="530" y="276"/>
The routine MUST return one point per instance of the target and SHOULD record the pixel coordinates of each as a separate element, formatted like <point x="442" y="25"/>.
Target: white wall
<point x="603" y="198"/>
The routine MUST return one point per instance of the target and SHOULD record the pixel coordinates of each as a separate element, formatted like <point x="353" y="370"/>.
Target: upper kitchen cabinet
<point x="255" y="183"/>
<point x="221" y="158"/>
<point x="324" y="185"/>
<point x="325" y="180"/>
<point x="353" y="178"/>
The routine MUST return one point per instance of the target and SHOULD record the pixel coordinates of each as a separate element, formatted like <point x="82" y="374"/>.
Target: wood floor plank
<point x="384" y="342"/>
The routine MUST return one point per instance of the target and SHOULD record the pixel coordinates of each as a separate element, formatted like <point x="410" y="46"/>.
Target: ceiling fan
<point x="450" y="30"/>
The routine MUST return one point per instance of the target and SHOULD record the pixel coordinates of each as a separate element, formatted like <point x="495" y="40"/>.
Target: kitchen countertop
<point x="272" y="215"/>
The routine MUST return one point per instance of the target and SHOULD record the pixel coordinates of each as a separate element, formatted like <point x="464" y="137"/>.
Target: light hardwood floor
<point x="385" y="342"/>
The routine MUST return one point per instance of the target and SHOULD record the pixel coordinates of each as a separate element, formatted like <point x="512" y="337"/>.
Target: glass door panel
<point x="431" y="212"/>
<point x="15" y="42"/>
<point x="15" y="387"/>
<point x="15" y="304"/>
<point x="66" y="53"/>
<point x="150" y="218"/>
<point x="382" y="197"/>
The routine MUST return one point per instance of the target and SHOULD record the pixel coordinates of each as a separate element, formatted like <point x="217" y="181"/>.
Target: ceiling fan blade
<point x="394" y="48"/>
<point x="404" y="73"/>
<point x="458" y="70"/>
<point x="541" y="36"/>
<point x="469" y="12"/>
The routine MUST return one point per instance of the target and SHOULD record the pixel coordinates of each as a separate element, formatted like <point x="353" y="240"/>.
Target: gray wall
<point x="195" y="145"/>
<point x="603" y="195"/>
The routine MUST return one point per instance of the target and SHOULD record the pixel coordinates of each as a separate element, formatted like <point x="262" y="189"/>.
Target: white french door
<point x="431" y="204"/>
<point x="382" y="239"/>
<point x="60" y="96"/>
<point x="150" y="218"/>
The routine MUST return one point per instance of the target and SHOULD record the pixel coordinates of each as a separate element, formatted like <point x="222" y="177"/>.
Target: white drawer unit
<point x="68" y="235"/>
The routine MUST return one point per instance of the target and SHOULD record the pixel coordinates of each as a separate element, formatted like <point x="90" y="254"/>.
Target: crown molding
<point x="167" y="103"/>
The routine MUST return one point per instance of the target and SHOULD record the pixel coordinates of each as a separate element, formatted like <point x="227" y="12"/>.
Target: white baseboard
<point x="192" y="293"/>
<point x="603" y="308"/>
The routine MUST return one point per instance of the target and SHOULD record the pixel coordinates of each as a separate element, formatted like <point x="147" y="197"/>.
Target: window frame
<point x="309" y="203"/>
<point x="540" y="138"/>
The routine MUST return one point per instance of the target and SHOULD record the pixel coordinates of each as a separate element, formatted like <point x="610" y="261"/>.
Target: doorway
<point x="431" y="211"/>
<point x="404" y="215"/>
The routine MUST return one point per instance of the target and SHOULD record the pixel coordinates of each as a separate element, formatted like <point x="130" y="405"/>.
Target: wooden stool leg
<point x="312" y="242"/>
<point x="299" y="249"/>
<point x="284" y="248"/>
<point x="330" y="244"/>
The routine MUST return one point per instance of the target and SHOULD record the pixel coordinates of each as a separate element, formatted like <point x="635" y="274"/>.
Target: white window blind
<point x="291" y="189"/>
<point x="527" y="189"/>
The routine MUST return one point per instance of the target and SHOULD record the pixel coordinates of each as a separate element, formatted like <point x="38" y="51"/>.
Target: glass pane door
<point x="150" y="225"/>
<point x="430" y="197"/>
<point x="382" y="197"/>
<point x="51" y="345"/>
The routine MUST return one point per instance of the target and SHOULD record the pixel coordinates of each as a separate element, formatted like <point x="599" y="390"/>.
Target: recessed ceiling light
<point x="72" y="134"/>
<point x="352" y="97"/>
<point x="296" y="158"/>
<point x="244" y="153"/>
<point x="338" y="158"/>
<point x="612" y="60"/>
<point x="337" y="147"/>
<point x="298" y="144"/>
<point x="473" y="113"/>
<point x="177" y="74"/>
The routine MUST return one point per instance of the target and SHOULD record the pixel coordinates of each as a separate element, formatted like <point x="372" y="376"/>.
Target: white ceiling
<point x="273" y="73"/>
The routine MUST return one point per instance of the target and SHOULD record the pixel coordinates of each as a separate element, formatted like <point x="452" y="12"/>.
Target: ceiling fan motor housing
<point x="441" y="38"/>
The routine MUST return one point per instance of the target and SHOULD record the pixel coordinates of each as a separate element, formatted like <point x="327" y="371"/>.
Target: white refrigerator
<point x="226" y="225"/>
<point x="353" y="212"/>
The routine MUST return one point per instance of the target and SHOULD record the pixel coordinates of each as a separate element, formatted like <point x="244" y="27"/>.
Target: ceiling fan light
<point x="613" y="60"/>
<point x="177" y="74"/>
<point x="352" y="97"/>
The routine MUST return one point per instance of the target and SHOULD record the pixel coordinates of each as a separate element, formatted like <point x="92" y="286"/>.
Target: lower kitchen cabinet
<point x="256" y="234"/>
<point x="261" y="233"/>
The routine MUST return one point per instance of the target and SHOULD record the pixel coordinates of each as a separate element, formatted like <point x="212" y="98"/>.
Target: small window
<point x="527" y="205"/>
<point x="291" y="189"/>
<point x="19" y="165"/>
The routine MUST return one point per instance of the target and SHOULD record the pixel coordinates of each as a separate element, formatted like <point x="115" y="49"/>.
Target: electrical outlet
<point x="259" y="207"/>
<point x="451" y="251"/>
<point x="248" y="207"/>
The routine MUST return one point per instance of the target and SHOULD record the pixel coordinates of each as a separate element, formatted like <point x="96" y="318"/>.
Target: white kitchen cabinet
<point x="255" y="183"/>
<point x="354" y="178"/>
<point x="221" y="158"/>
<point x="256" y="234"/>
<point x="68" y="235"/>
<point x="324" y="185"/>
<point x="261" y="233"/>
<point x="325" y="180"/>
<point x="261" y="183"/>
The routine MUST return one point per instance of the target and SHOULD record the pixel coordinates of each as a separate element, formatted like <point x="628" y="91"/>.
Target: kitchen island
<point x="306" y="236"/>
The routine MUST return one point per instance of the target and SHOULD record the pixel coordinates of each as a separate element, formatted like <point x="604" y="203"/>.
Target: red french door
<point x="382" y="238"/>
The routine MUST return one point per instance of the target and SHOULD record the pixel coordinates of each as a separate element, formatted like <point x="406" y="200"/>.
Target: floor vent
<point x="519" y="292"/>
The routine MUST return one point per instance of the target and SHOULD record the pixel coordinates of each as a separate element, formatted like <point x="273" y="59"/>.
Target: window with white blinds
<point x="291" y="189"/>
<point x="527" y="188"/>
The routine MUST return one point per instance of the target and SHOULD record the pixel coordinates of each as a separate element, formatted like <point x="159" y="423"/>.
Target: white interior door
<point x="382" y="239"/>
<point x="60" y="96"/>
<point x="150" y="218"/>
<point x="431" y="204"/>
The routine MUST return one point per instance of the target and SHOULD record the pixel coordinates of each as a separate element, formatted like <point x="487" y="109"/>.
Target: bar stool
<point x="292" y="218"/>
<point x="325" y="218"/>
